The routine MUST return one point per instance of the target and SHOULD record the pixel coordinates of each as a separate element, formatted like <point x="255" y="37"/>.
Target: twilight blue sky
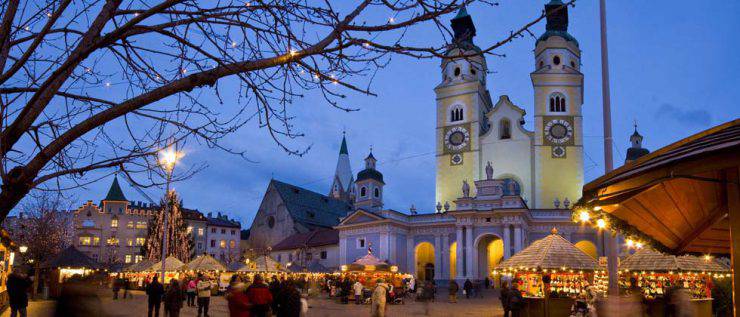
<point x="674" y="69"/>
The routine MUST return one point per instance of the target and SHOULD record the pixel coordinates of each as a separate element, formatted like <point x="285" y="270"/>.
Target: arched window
<point x="557" y="102"/>
<point x="363" y="191"/>
<point x="457" y="71"/>
<point x="377" y="192"/>
<point x="457" y="113"/>
<point x="504" y="129"/>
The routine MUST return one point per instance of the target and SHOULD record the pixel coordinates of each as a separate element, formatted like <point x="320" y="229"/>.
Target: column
<point x="507" y="242"/>
<point x="410" y="259"/>
<point x="446" y="257"/>
<point x="342" y="250"/>
<point x="459" y="257"/>
<point x="383" y="247"/>
<point x="437" y="262"/>
<point x="470" y="252"/>
<point x="392" y="249"/>
<point x="518" y="238"/>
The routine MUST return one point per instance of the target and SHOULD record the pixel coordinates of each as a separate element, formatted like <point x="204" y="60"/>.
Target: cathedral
<point x="499" y="186"/>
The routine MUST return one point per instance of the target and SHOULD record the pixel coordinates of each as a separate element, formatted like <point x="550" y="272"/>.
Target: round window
<point x="457" y="71"/>
<point x="271" y="222"/>
<point x="556" y="60"/>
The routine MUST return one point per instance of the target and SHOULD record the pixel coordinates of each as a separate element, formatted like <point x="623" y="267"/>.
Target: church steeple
<point x="463" y="27"/>
<point x="635" y="151"/>
<point x="342" y="183"/>
<point x="369" y="186"/>
<point x="115" y="193"/>
<point x="557" y="22"/>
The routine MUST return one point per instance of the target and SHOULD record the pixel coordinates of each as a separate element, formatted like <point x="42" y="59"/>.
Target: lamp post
<point x="167" y="159"/>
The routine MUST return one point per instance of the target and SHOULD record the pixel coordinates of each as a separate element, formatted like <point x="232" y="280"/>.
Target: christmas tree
<point x="178" y="238"/>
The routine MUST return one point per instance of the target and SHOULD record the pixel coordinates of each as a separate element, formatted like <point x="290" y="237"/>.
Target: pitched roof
<point x="115" y="193"/>
<point x="71" y="257"/>
<point x="647" y="259"/>
<point x="343" y="148"/>
<point x="205" y="262"/>
<point x="314" y="238"/>
<point x="309" y="208"/>
<point x="551" y="252"/>
<point x="220" y="222"/>
<point x="171" y="263"/>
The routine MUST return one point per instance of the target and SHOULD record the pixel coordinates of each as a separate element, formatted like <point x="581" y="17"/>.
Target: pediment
<point x="360" y="216"/>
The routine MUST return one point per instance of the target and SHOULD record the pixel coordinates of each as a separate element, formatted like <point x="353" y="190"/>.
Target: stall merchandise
<point x="7" y="257"/>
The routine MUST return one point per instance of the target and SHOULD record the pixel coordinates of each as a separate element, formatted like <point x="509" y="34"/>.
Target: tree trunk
<point x="36" y="276"/>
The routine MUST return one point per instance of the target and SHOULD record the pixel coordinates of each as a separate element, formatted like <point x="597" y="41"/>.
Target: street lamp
<point x="23" y="249"/>
<point x="167" y="159"/>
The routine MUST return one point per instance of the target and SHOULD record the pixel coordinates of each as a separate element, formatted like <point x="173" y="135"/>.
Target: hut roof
<point x="71" y="257"/>
<point x="551" y="252"/>
<point x="205" y="262"/>
<point x="171" y="263"/>
<point x="138" y="267"/>
<point x="647" y="259"/>
<point x="369" y="259"/>
<point x="258" y="264"/>
<point x="313" y="267"/>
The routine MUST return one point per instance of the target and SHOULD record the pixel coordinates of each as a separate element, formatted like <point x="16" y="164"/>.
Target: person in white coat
<point x="377" y="309"/>
<point x="358" y="292"/>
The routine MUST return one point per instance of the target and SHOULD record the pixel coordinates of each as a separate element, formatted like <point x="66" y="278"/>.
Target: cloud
<point x="689" y="117"/>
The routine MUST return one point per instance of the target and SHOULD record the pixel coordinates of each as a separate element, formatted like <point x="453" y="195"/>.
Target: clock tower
<point x="558" y="96"/>
<point x="462" y="100"/>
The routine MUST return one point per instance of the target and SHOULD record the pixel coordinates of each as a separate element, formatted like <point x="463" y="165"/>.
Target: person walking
<point x="357" y="287"/>
<point x="173" y="299"/>
<point x="515" y="300"/>
<point x="504" y="297"/>
<point x="18" y="284"/>
<point x="275" y="288"/>
<point x="377" y="309"/>
<point x="238" y="301"/>
<point x="453" y="288"/>
<point x="154" y="292"/>
<point x="487" y="282"/>
<point x="116" y="287"/>
<point x="289" y="302"/>
<point x="190" y="288"/>
<point x="126" y="288"/>
<point x="203" y="288"/>
<point x="260" y="297"/>
<point x="467" y="287"/>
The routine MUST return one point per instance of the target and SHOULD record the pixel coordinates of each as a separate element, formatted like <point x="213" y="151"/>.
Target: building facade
<point x="224" y="238"/>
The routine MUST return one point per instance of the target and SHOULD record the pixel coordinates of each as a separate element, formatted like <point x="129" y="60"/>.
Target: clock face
<point x="558" y="131"/>
<point x="457" y="138"/>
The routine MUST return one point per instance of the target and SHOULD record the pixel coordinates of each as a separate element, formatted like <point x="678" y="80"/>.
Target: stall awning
<point x="647" y="259"/>
<point x="73" y="258"/>
<point x="676" y="198"/>
<point x="551" y="252"/>
<point x="205" y="262"/>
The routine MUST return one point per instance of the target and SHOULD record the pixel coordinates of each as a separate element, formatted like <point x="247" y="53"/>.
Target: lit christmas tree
<point x="178" y="238"/>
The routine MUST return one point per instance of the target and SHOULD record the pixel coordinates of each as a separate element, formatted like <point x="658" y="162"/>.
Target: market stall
<point x="172" y="267"/>
<point x="209" y="266"/>
<point x="368" y="269"/>
<point x="656" y="274"/>
<point x="7" y="257"/>
<point x="551" y="274"/>
<point x="68" y="263"/>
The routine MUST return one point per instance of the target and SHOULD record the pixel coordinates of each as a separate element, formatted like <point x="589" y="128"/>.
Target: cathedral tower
<point x="342" y="184"/>
<point x="462" y="99"/>
<point x="369" y="192"/>
<point x="558" y="96"/>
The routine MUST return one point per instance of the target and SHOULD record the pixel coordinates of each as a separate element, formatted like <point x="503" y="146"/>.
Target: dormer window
<point x="457" y="71"/>
<point x="556" y="60"/>
<point x="557" y="103"/>
<point x="377" y="192"/>
<point x="504" y="129"/>
<point x="363" y="191"/>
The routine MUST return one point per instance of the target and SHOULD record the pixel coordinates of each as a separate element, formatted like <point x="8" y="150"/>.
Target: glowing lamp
<point x="23" y="249"/>
<point x="601" y="223"/>
<point x="584" y="216"/>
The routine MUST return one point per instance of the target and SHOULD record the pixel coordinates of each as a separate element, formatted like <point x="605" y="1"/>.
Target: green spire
<point x="343" y="148"/>
<point x="463" y="12"/>
<point x="115" y="193"/>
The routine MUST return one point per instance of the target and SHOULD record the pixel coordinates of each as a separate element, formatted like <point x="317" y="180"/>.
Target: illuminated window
<point x="190" y="229"/>
<point x="140" y="241"/>
<point x="232" y="244"/>
<point x="130" y="242"/>
<point x="141" y="225"/>
<point x="130" y="224"/>
<point x="128" y="258"/>
<point x="222" y="244"/>
<point x="96" y="240"/>
<point x="112" y="241"/>
<point x="85" y="240"/>
<point x="200" y="231"/>
<point x="138" y="258"/>
<point x="114" y="223"/>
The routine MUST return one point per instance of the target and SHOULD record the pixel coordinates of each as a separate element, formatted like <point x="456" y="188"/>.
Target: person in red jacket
<point x="260" y="297"/>
<point x="238" y="300"/>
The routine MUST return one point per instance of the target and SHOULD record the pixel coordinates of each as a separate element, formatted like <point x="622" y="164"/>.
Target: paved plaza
<point x="487" y="306"/>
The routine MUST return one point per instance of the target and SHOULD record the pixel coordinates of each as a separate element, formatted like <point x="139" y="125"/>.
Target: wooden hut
<point x="68" y="263"/>
<point x="205" y="263"/>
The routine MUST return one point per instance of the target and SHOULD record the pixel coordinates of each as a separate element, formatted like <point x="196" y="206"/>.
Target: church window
<point x="542" y="64"/>
<point x="457" y="71"/>
<point x="504" y="132"/>
<point x="323" y="255"/>
<point x="472" y="69"/>
<point x="556" y="60"/>
<point x="377" y="192"/>
<point x="361" y="243"/>
<point x="271" y="222"/>
<point x="363" y="191"/>
<point x="457" y="113"/>
<point x="557" y="103"/>
<point x="573" y="64"/>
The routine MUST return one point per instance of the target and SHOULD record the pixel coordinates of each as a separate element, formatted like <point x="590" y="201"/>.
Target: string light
<point x="630" y="243"/>
<point x="136" y="14"/>
<point x="707" y="257"/>
<point x="601" y="223"/>
<point x="48" y="14"/>
<point x="233" y="44"/>
<point x="27" y="28"/>
<point x="638" y="245"/>
<point x="584" y="216"/>
<point x="184" y="70"/>
<point x="293" y="52"/>
<point x="107" y="84"/>
<point x="248" y="4"/>
<point x="391" y="20"/>
<point x="366" y="44"/>
<point x="597" y="208"/>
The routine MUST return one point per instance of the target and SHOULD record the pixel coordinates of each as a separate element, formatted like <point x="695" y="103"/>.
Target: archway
<point x="490" y="252"/>
<point x="588" y="247"/>
<point x="453" y="260"/>
<point x="424" y="256"/>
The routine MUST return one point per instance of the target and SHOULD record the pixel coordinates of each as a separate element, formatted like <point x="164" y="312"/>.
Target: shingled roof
<point x="311" y="239"/>
<point x="115" y="193"/>
<point x="309" y="208"/>
<point x="71" y="257"/>
<point x="647" y="259"/>
<point x="551" y="252"/>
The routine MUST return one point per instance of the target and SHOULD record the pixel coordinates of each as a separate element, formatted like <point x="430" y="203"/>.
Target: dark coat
<point x="468" y="285"/>
<point x="18" y="290"/>
<point x="155" y="291"/>
<point x="173" y="299"/>
<point x="515" y="301"/>
<point x="504" y="297"/>
<point x="289" y="302"/>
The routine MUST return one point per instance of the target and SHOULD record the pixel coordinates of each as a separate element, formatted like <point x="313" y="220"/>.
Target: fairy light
<point x="293" y="52"/>
<point x="366" y="44"/>
<point x="248" y="4"/>
<point x="136" y="14"/>
<point x="48" y="14"/>
<point x="601" y="223"/>
<point x="597" y="208"/>
<point x="707" y="258"/>
<point x="630" y="243"/>
<point x="391" y="20"/>
<point x="638" y="245"/>
<point x="584" y="216"/>
<point x="233" y="44"/>
<point x="27" y="28"/>
<point x="88" y="70"/>
<point x="184" y="70"/>
<point x="107" y="84"/>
